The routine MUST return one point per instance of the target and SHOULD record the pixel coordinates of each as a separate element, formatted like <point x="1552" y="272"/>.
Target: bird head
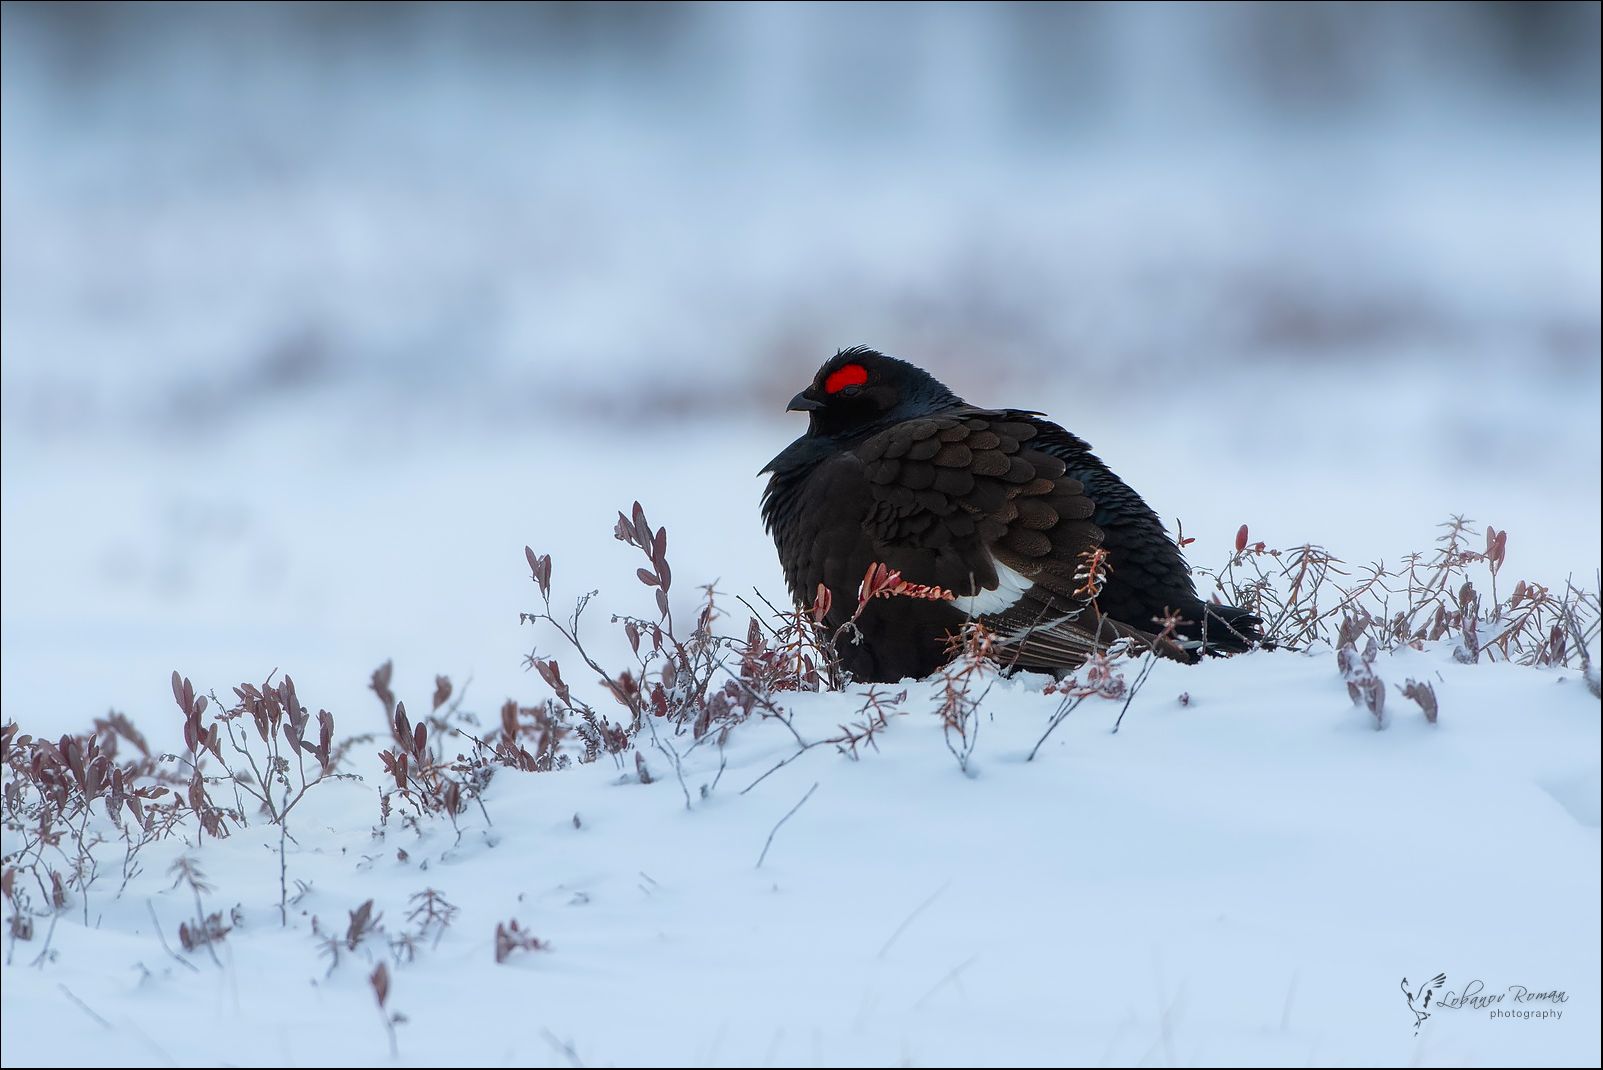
<point x="860" y="390"/>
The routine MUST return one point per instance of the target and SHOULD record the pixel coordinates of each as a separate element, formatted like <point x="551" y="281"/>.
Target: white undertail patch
<point x="1005" y="595"/>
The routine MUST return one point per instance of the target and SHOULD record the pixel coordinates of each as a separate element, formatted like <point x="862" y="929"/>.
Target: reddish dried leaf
<point x="380" y="980"/>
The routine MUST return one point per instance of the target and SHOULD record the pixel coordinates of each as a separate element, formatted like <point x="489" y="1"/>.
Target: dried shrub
<point x="873" y="717"/>
<point x="1304" y="595"/>
<point x="263" y="749"/>
<point x="365" y="921"/>
<point x="363" y="926"/>
<point x="687" y="685"/>
<point x="1307" y="596"/>
<point x="210" y="930"/>
<point x="509" y="937"/>
<point x="379" y="980"/>
<point x="1425" y="695"/>
<point x="206" y="928"/>
<point x="269" y="737"/>
<point x="71" y="804"/>
<point x="1364" y="687"/>
<point x="431" y="915"/>
<point x="438" y="764"/>
<point x="420" y="773"/>
<point x="965" y="681"/>
<point x="1102" y="674"/>
<point x="54" y="831"/>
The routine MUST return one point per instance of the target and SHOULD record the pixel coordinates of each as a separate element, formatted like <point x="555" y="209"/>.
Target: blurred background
<point x="313" y="315"/>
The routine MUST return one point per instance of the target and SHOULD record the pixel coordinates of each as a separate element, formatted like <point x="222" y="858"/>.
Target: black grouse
<point x="997" y="506"/>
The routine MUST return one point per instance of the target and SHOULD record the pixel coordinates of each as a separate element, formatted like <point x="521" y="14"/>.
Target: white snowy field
<point x="314" y="316"/>
<point x="1246" y="878"/>
<point x="1242" y="879"/>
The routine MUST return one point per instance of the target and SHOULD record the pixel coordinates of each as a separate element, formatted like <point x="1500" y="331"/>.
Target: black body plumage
<point x="998" y="506"/>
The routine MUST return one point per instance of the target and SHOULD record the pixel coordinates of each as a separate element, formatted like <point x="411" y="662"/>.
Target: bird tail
<point x="1217" y="629"/>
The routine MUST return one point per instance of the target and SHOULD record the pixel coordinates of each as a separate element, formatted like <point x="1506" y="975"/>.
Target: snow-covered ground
<point x="1245" y="878"/>
<point x="299" y="353"/>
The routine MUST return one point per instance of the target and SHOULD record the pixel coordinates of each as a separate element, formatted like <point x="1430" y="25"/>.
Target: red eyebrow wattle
<point x="844" y="376"/>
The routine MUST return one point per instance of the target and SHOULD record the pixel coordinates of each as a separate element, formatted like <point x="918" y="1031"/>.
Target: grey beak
<point x="802" y="403"/>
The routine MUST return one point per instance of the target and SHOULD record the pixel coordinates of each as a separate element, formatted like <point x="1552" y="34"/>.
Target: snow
<point x="1241" y="879"/>
<point x="303" y="342"/>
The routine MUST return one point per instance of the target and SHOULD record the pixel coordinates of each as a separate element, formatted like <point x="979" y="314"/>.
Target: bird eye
<point x="844" y="376"/>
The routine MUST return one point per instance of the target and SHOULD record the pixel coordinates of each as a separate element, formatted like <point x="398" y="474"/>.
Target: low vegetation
<point x="81" y="812"/>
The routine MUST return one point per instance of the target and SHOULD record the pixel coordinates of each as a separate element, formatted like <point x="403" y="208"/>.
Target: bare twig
<point x="85" y="1007"/>
<point x="163" y="938"/>
<point x="782" y="820"/>
<point x="900" y="929"/>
